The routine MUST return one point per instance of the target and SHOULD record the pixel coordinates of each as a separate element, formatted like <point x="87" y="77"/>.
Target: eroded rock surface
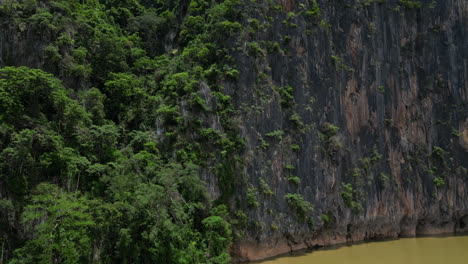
<point x="394" y="80"/>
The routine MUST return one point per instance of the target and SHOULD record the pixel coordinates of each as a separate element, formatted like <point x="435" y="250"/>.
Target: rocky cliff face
<point x="376" y="130"/>
<point x="354" y="115"/>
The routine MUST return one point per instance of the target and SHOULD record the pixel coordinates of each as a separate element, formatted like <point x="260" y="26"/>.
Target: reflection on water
<point x="427" y="250"/>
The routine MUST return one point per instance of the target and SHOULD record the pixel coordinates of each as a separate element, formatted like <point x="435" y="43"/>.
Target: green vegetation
<point x="456" y="132"/>
<point x="297" y="202"/>
<point x="314" y="10"/>
<point x="274" y="227"/>
<point x="327" y="131"/>
<point x="294" y="180"/>
<point x="410" y="4"/>
<point x="439" y="182"/>
<point x="66" y="234"/>
<point x="325" y="25"/>
<point x="329" y="140"/>
<point x="264" y="144"/>
<point x="381" y="89"/>
<point x="348" y="195"/>
<point x="265" y="188"/>
<point x="286" y="96"/>
<point x="375" y="156"/>
<point x="251" y="198"/>
<point x="103" y="166"/>
<point x="339" y="63"/>
<point x="325" y="219"/>
<point x="255" y="50"/>
<point x="297" y="120"/>
<point x="295" y="147"/>
<point x="438" y="152"/>
<point x="278" y="134"/>
<point x="384" y="178"/>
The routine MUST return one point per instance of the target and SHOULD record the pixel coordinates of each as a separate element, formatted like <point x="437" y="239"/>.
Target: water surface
<point x="427" y="250"/>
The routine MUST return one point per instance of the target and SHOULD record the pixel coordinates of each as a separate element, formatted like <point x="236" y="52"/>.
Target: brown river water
<point x="426" y="250"/>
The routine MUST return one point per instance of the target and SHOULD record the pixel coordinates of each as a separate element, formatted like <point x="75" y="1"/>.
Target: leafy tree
<point x="17" y="162"/>
<point x="42" y="116"/>
<point x="93" y="102"/>
<point x="218" y="235"/>
<point x="60" y="224"/>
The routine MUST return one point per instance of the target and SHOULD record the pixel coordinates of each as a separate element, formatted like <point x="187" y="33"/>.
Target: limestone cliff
<point x="354" y="115"/>
<point x="393" y="78"/>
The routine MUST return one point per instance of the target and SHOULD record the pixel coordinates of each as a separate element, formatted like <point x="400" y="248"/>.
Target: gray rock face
<point x="393" y="79"/>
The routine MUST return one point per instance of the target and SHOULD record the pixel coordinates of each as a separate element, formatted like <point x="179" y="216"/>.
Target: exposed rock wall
<point x="394" y="79"/>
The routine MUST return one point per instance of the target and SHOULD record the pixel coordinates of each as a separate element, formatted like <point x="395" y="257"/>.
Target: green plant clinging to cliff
<point x="410" y="4"/>
<point x="251" y="198"/>
<point x="265" y="188"/>
<point x="348" y="195"/>
<point x="439" y="182"/>
<point x="278" y="134"/>
<point x="286" y="95"/>
<point x="297" y="202"/>
<point x="294" y="179"/>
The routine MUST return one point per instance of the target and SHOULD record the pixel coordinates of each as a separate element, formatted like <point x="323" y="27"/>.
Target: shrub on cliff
<point x="297" y="202"/>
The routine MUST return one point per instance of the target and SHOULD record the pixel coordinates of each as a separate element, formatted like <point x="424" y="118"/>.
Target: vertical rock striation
<point x="392" y="78"/>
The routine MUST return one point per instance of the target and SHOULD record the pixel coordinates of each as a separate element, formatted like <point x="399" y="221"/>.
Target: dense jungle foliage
<point x="103" y="147"/>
